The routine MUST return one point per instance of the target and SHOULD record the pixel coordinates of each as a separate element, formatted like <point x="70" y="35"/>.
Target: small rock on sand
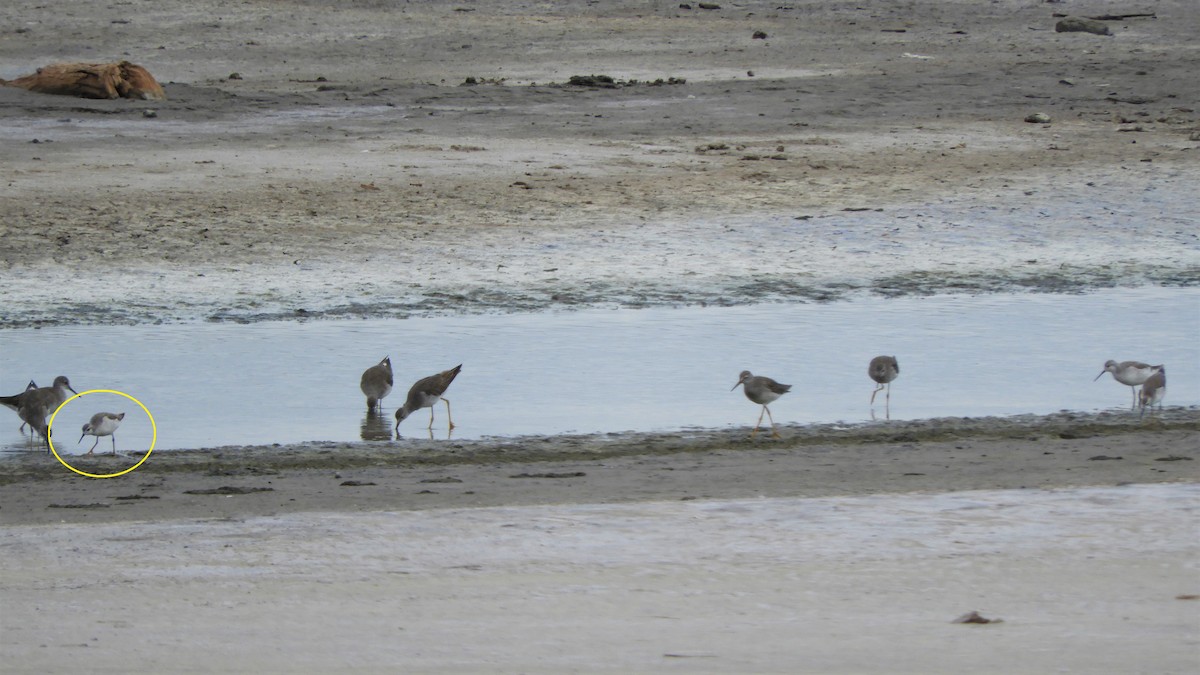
<point x="1073" y="24"/>
<point x="976" y="617"/>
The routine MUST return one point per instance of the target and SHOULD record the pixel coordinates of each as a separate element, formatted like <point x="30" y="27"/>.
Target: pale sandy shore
<point x="1093" y="580"/>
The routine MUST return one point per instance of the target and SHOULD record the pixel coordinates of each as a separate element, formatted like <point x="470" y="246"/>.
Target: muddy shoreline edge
<point x="422" y="454"/>
<point x="934" y="456"/>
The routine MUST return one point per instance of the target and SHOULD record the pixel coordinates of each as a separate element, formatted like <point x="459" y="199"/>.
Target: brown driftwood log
<point x="92" y="80"/>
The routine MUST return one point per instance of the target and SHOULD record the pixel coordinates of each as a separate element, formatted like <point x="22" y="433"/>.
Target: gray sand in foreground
<point x="701" y="561"/>
<point x="824" y="552"/>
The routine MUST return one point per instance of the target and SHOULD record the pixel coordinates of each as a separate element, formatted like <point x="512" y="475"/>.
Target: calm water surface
<point x="609" y="370"/>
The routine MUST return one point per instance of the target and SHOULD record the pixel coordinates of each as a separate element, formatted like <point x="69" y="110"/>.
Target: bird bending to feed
<point x="102" y="424"/>
<point x="1153" y="390"/>
<point x="425" y="393"/>
<point x="34" y="414"/>
<point x="14" y="402"/>
<point x="34" y="405"/>
<point x="761" y="390"/>
<point x="1131" y="373"/>
<point x="883" y="370"/>
<point x="376" y="383"/>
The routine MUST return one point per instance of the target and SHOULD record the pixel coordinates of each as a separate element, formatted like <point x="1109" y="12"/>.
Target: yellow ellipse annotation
<point x="153" y="439"/>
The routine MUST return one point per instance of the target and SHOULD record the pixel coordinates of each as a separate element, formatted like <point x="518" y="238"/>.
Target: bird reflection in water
<point x="375" y="428"/>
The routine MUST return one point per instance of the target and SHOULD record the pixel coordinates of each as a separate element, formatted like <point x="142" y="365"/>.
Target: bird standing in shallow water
<point x="102" y="424"/>
<point x="34" y="414"/>
<point x="14" y="401"/>
<point x="883" y="370"/>
<point x="34" y="405"/>
<point x="1153" y="390"/>
<point x="1131" y="373"/>
<point x="425" y="393"/>
<point x="376" y="383"/>
<point x="761" y="390"/>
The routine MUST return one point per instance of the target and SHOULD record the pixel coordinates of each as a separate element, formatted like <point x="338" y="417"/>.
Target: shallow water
<point x="610" y="370"/>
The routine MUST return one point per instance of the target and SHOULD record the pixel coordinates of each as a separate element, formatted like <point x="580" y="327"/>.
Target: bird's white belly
<point x="1133" y="376"/>
<point x="106" y="427"/>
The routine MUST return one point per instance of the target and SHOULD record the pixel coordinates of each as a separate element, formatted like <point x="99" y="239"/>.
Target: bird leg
<point x="448" y="415"/>
<point x="114" y="441"/>
<point x="759" y="422"/>
<point x="878" y="388"/>
<point x="774" y="432"/>
<point x="94" y="445"/>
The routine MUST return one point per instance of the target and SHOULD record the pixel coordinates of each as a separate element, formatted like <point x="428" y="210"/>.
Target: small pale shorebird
<point x="34" y="405"/>
<point x="883" y="370"/>
<point x="1131" y="373"/>
<point x="376" y="383"/>
<point x="102" y="424"/>
<point x="425" y="393"/>
<point x="761" y="390"/>
<point x="1153" y="390"/>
